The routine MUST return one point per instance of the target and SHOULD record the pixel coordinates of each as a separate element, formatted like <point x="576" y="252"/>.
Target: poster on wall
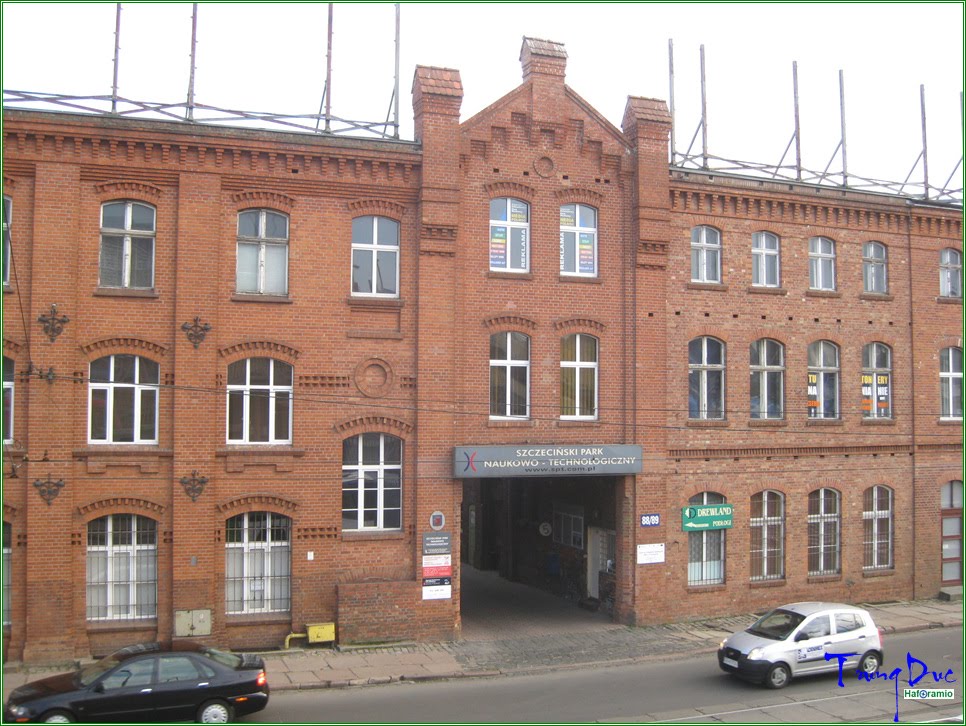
<point x="498" y="247"/>
<point x="437" y="588"/>
<point x="586" y="253"/>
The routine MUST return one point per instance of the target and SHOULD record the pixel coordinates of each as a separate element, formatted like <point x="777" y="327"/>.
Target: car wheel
<point x="215" y="712"/>
<point x="869" y="663"/>
<point x="57" y="717"/>
<point x="778" y="676"/>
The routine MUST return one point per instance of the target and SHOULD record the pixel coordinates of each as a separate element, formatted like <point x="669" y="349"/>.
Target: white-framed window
<point x="765" y="260"/>
<point x="877" y="528"/>
<point x="509" y="235"/>
<point x="824" y="532"/>
<point x="767" y="360"/>
<point x="950" y="273"/>
<point x="821" y="263"/>
<point x="7" y="573"/>
<point x="706" y="378"/>
<point x="875" y="267"/>
<point x="7" y="216"/>
<point x="127" y="245"/>
<point x="262" y="263"/>
<point x="876" y="381"/>
<point x="578" y="240"/>
<point x="823" y="379"/>
<point x="951" y="506"/>
<point x="8" y="399"/>
<point x="122" y="571"/>
<point x="509" y="375"/>
<point x="706" y="550"/>
<point x="258" y="563"/>
<point x="568" y="525"/>
<point x="123" y="400"/>
<point x="578" y="376"/>
<point x="767" y="535"/>
<point x="705" y="254"/>
<point x="375" y="257"/>
<point x="951" y="383"/>
<point x="260" y="401"/>
<point x="372" y="482"/>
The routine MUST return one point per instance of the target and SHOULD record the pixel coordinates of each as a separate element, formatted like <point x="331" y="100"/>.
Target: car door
<point x="123" y="694"/>
<point x="812" y="638"/>
<point x="181" y="687"/>
<point x="849" y="637"/>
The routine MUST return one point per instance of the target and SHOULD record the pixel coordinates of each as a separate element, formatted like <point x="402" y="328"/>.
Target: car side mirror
<point x="98" y="687"/>
<point x="801" y="636"/>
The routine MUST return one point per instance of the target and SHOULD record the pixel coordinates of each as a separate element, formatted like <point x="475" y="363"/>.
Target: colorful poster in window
<point x="568" y="215"/>
<point x="812" y="394"/>
<point x="866" y="404"/>
<point x="518" y="211"/>
<point x="498" y="248"/>
<point x="586" y="253"/>
<point x="882" y="394"/>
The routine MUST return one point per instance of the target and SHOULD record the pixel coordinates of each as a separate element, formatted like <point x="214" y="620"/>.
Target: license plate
<point x="730" y="662"/>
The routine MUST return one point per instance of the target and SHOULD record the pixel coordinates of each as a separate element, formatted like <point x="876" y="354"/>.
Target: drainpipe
<point x="912" y="378"/>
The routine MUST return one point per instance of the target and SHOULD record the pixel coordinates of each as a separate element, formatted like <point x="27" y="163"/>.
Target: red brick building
<point x="256" y="380"/>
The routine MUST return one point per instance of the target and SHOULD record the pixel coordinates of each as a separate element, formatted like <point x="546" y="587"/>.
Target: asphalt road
<point x="681" y="690"/>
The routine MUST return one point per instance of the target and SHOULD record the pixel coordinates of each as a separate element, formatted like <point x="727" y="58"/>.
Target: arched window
<point x="578" y="376"/>
<point x="877" y="522"/>
<point x="375" y="257"/>
<point x="875" y="267"/>
<point x="509" y="235"/>
<point x="706" y="550"/>
<point x="262" y="264"/>
<point x="258" y="563"/>
<point x="706" y="378"/>
<point x="705" y="254"/>
<point x="767" y="362"/>
<point x="122" y="577"/>
<point x="8" y="400"/>
<point x="127" y="245"/>
<point x="823" y="380"/>
<point x="821" y="263"/>
<point x="951" y="382"/>
<point x="578" y="240"/>
<point x="824" y="532"/>
<point x="876" y="381"/>
<point x="123" y="399"/>
<point x="372" y="482"/>
<point x="767" y="536"/>
<point x="259" y="402"/>
<point x="509" y="375"/>
<point x="950" y="273"/>
<point x="765" y="260"/>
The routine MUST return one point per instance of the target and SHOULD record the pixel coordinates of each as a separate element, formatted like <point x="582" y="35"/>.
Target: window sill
<point x="501" y="275"/>
<point x="260" y="450"/>
<point x="121" y="450"/>
<point x="942" y="300"/>
<point x="822" y="293"/>
<point x="715" y="587"/>
<point x="709" y="286"/>
<point x="883" y="572"/>
<point x="586" y="280"/>
<point x="577" y="423"/>
<point x="380" y="303"/>
<point x="877" y="296"/>
<point x="110" y="626"/>
<point x="824" y="422"/>
<point x="699" y="423"/>
<point x="125" y="292"/>
<point x="257" y="298"/>
<point x="765" y="423"/>
<point x="763" y="290"/>
<point x="878" y="422"/>
<point x="362" y="536"/>
<point x="819" y="579"/>
<point x="8" y="288"/>
<point x="257" y="618"/>
<point x="508" y="423"/>
<point x="759" y="584"/>
<point x="950" y="422"/>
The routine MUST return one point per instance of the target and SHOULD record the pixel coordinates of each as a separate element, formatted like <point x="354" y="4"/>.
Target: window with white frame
<point x="262" y="263"/>
<point x="821" y="263"/>
<point x="258" y="563"/>
<point x="951" y="511"/>
<point x="123" y="400"/>
<point x="578" y="376"/>
<point x="509" y="375"/>
<point x="876" y="381"/>
<point x="7" y="572"/>
<point x="122" y="578"/>
<point x="578" y="240"/>
<point x="7" y="214"/>
<point x="705" y="254"/>
<point x="706" y="370"/>
<point x="950" y="273"/>
<point x="509" y="235"/>
<point x="127" y="245"/>
<point x="823" y="380"/>
<point x="875" y="267"/>
<point x="765" y="260"/>
<point x="767" y="359"/>
<point x="375" y="257"/>
<point x="824" y="532"/>
<point x="568" y="525"/>
<point x="767" y="535"/>
<point x="259" y="402"/>
<point x="706" y="550"/>
<point x="877" y="528"/>
<point x="951" y="382"/>
<point x="372" y="482"/>
<point x="8" y="400"/>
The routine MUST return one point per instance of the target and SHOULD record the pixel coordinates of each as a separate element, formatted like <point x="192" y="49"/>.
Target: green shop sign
<point x="698" y="518"/>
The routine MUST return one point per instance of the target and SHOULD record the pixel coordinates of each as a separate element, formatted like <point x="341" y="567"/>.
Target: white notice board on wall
<point x="650" y="554"/>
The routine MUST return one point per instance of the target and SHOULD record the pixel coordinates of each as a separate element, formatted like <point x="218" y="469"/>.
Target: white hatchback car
<point x="793" y="640"/>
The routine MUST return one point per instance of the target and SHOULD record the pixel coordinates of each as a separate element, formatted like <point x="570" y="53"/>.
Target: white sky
<point x="261" y="57"/>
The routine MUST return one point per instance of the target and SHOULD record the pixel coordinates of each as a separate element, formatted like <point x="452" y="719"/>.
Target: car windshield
<point x="92" y="671"/>
<point x="776" y="625"/>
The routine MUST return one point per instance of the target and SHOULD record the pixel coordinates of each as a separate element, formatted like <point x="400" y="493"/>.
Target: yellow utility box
<point x="320" y="632"/>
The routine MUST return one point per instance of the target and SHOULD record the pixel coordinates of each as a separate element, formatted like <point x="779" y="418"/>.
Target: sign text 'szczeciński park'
<point x="478" y="462"/>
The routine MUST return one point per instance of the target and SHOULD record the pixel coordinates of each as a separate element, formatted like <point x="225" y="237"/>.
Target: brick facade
<point x="415" y="365"/>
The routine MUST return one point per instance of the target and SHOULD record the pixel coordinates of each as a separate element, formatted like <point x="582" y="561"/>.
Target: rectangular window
<point x="568" y="526"/>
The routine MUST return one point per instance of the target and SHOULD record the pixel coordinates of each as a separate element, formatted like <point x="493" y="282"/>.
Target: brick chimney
<point x="543" y="58"/>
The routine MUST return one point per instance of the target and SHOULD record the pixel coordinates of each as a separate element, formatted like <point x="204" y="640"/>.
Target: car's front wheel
<point x="778" y="676"/>
<point x="869" y="663"/>
<point x="215" y="712"/>
<point x="57" y="716"/>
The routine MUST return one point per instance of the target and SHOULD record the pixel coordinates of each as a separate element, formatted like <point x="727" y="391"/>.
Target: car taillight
<point x="262" y="679"/>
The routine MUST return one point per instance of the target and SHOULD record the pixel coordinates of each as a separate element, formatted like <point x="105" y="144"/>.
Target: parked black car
<point x="147" y="682"/>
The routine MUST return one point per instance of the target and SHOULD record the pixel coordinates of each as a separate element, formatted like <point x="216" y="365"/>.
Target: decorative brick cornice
<point x="126" y="188"/>
<point x="579" y="195"/>
<point x="12" y="347"/>
<point x="757" y="453"/>
<point x="377" y="208"/>
<point x="253" y="502"/>
<point x="438" y="232"/>
<point x="576" y="325"/>
<point x="504" y="321"/>
<point x="101" y="507"/>
<point x="373" y="424"/>
<point x="258" y="198"/>
<point x="246" y="348"/>
<point x="509" y="189"/>
<point x="10" y="512"/>
<point x="105" y="345"/>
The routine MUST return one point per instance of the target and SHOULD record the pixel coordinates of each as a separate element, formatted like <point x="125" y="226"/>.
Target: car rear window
<point x="226" y="659"/>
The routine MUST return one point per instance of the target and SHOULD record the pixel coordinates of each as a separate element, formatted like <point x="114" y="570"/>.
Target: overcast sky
<point x="271" y="57"/>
